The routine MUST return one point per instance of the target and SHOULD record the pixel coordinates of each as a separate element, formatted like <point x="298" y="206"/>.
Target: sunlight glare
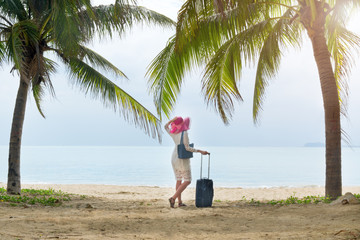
<point x="354" y="23"/>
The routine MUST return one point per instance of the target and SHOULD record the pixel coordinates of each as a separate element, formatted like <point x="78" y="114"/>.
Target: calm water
<point x="150" y="166"/>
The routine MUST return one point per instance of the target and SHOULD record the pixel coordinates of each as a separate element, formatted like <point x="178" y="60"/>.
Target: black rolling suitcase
<point x="204" y="189"/>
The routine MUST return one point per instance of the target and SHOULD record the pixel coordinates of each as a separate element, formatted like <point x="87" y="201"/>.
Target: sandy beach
<point x="142" y="212"/>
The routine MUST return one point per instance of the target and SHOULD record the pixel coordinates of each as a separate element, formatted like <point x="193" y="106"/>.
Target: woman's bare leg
<point x="180" y="189"/>
<point x="178" y="183"/>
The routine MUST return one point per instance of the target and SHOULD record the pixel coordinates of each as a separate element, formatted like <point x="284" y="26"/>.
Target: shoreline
<point x="127" y="192"/>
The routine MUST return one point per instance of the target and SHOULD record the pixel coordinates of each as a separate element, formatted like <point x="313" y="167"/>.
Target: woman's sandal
<point x="182" y="204"/>
<point x="172" y="202"/>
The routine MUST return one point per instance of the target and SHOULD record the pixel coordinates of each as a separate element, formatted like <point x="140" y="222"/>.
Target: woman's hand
<point x="172" y="120"/>
<point x="204" y="152"/>
<point x="168" y="123"/>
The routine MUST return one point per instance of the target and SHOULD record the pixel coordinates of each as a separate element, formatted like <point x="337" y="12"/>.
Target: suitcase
<point x="204" y="188"/>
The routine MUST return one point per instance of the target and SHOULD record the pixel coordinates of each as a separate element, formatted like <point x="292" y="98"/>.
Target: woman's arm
<point x="186" y="143"/>
<point x="190" y="149"/>
<point x="168" y="123"/>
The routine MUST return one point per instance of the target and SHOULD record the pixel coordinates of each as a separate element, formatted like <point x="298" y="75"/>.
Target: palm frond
<point x="20" y="38"/>
<point x="145" y="15"/>
<point x="92" y="82"/>
<point x="213" y="31"/>
<point x="99" y="61"/>
<point x="37" y="8"/>
<point x="342" y="44"/>
<point x="223" y="71"/>
<point x="121" y="17"/>
<point x="188" y="18"/>
<point x="219" y="81"/>
<point x="39" y="83"/>
<point x="166" y="72"/>
<point x="195" y="46"/>
<point x="43" y="67"/>
<point x="38" y="94"/>
<point x="69" y="27"/>
<point x="165" y="78"/>
<point x="267" y="67"/>
<point x="194" y="14"/>
<point x="40" y="69"/>
<point x="2" y="52"/>
<point x="283" y="34"/>
<point x="13" y="9"/>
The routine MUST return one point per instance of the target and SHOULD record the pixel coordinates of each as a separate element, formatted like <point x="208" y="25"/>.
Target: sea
<point x="245" y="167"/>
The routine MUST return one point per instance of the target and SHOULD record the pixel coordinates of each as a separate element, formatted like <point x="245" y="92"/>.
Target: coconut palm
<point x="227" y="35"/>
<point x="32" y="32"/>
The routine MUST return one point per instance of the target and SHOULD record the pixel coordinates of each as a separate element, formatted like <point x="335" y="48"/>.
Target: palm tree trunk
<point x="333" y="185"/>
<point x="14" y="182"/>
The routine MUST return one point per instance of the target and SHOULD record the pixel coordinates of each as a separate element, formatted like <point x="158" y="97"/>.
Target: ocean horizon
<point x="245" y="167"/>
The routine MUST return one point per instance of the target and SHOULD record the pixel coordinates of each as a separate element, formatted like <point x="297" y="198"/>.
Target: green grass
<point x="294" y="200"/>
<point x="48" y="197"/>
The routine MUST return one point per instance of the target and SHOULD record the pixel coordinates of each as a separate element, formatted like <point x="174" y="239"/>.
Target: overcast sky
<point x="292" y="113"/>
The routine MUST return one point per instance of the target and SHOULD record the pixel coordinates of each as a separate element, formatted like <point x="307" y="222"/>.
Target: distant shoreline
<point x="306" y="145"/>
<point x="151" y="166"/>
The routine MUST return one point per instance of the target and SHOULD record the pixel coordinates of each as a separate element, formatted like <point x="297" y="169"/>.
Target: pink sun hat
<point x="180" y="125"/>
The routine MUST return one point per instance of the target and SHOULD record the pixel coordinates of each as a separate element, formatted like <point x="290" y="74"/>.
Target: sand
<point x="142" y="212"/>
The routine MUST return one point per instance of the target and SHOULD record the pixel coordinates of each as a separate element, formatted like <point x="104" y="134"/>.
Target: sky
<point x="292" y="113"/>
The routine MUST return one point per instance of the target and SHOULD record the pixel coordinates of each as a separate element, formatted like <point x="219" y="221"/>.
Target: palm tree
<point x="30" y="29"/>
<point x="226" y="35"/>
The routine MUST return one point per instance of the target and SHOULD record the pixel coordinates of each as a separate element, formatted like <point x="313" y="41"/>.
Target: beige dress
<point x="181" y="167"/>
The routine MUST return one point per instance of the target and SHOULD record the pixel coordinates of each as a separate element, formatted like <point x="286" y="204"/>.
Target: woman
<point x="181" y="167"/>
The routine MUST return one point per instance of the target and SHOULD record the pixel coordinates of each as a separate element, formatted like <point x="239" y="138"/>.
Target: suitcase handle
<point x="208" y="167"/>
